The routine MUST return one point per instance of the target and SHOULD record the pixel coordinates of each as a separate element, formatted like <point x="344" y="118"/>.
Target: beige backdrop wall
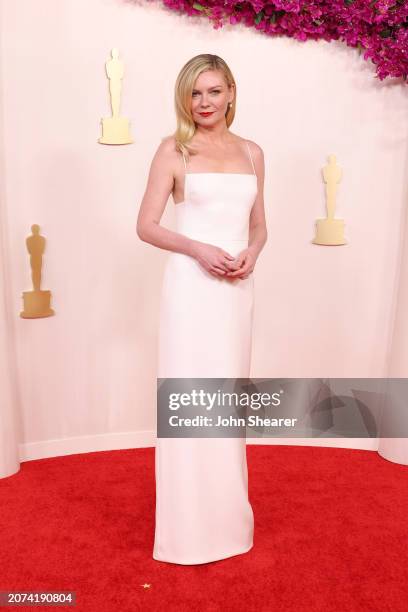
<point x="86" y="378"/>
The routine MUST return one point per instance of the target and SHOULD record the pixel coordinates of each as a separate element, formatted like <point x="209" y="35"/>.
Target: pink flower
<point x="379" y="27"/>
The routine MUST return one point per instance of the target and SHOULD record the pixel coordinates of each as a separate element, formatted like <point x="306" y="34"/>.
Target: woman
<point x="216" y="179"/>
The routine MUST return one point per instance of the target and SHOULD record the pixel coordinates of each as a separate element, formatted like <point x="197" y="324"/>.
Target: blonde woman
<point x="216" y="179"/>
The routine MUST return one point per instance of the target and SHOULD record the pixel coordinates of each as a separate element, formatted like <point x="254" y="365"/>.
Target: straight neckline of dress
<point x="233" y="173"/>
<point x="230" y="173"/>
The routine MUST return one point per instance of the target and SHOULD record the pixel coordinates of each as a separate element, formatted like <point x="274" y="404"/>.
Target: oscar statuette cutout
<point x="115" y="129"/>
<point x="36" y="302"/>
<point x="330" y="231"/>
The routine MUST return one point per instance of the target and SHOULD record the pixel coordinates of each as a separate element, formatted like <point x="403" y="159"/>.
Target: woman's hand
<point x="213" y="259"/>
<point x="245" y="263"/>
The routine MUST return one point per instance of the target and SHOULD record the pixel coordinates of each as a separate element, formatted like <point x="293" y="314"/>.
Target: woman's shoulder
<point x="255" y="147"/>
<point x="168" y="144"/>
<point x="167" y="151"/>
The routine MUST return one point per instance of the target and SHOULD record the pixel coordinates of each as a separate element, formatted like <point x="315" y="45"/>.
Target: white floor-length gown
<point x="202" y="508"/>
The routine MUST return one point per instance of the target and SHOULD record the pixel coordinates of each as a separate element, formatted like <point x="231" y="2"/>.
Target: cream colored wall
<point x="86" y="377"/>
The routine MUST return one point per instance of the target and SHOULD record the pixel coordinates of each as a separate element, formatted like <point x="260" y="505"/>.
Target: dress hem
<point x="234" y="554"/>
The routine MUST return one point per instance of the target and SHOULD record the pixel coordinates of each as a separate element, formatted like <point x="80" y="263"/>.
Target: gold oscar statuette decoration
<point x="115" y="129"/>
<point x="36" y="302"/>
<point x="330" y="231"/>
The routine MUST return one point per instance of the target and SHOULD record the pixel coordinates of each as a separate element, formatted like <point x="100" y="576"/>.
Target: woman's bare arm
<point x="159" y="187"/>
<point x="257" y="224"/>
<point x="158" y="190"/>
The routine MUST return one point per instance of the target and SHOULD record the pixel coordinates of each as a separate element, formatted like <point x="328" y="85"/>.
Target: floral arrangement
<point x="377" y="28"/>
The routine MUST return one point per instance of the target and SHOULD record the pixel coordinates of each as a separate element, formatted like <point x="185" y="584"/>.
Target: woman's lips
<point x="206" y="114"/>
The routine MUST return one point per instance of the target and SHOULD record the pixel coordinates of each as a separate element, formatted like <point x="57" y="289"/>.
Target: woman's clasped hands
<point x="222" y="264"/>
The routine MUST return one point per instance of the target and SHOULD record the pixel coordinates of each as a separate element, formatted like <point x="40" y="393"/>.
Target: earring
<point x="229" y="103"/>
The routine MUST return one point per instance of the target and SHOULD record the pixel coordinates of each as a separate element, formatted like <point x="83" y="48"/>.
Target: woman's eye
<point x="217" y="91"/>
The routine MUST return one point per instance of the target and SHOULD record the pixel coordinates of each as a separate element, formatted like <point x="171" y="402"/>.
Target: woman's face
<point x="210" y="95"/>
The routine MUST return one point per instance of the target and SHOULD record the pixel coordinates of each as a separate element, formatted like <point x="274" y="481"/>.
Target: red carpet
<point x="331" y="535"/>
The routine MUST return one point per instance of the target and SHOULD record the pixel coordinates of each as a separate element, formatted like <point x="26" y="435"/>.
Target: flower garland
<point x="379" y="27"/>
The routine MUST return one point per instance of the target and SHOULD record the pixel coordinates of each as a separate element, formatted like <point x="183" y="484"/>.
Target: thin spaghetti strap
<point x="184" y="159"/>
<point x="250" y="156"/>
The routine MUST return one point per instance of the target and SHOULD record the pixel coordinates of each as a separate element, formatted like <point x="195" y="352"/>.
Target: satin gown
<point x="203" y="512"/>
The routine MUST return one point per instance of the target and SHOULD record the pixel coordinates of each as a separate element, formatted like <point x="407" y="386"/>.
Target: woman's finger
<point x="242" y="270"/>
<point x="236" y="265"/>
<point x="225" y="265"/>
<point x="229" y="266"/>
<point x="218" y="270"/>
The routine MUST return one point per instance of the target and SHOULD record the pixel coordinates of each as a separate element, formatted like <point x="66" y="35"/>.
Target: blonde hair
<point x="182" y="97"/>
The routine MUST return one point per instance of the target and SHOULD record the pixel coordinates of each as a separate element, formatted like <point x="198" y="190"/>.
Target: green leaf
<point x="259" y="17"/>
